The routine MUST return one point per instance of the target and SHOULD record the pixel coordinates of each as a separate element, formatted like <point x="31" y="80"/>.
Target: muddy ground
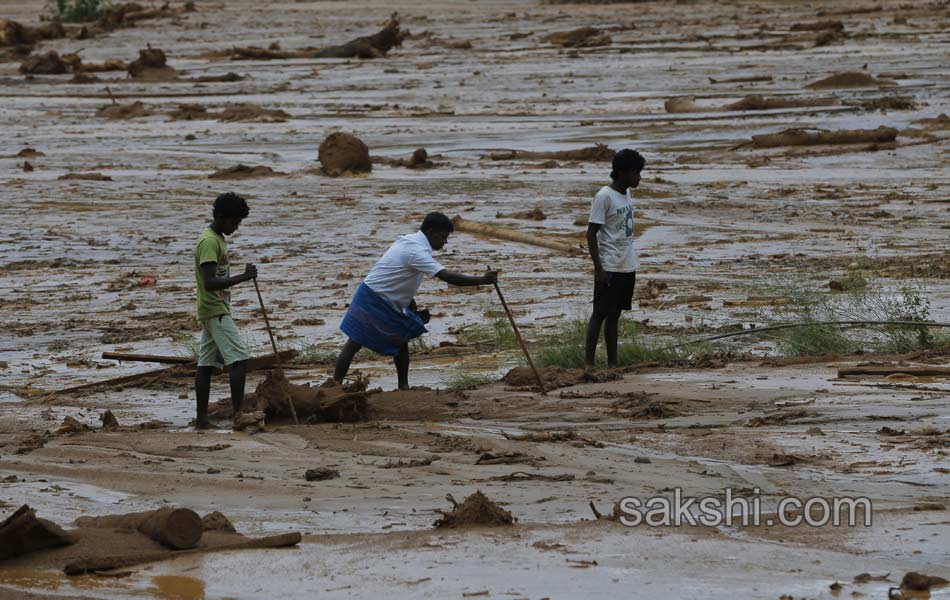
<point x="99" y="264"/>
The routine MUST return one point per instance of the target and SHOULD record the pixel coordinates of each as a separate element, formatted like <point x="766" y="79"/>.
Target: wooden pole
<point x="524" y="348"/>
<point x="290" y="401"/>
<point x="153" y="358"/>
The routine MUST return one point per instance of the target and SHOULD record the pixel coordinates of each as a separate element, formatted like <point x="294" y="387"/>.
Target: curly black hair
<point x="627" y="160"/>
<point x="436" y="221"/>
<point x="231" y="205"/>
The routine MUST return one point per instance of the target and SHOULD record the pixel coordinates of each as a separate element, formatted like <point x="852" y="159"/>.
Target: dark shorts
<point x="617" y="296"/>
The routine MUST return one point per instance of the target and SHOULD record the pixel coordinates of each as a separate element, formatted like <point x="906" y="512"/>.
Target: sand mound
<point x="245" y="172"/>
<point x="150" y="66"/>
<point x="344" y="153"/>
<point x="851" y="79"/>
<point x="477" y="509"/>
<point x="124" y="111"/>
<point x="44" y="64"/>
<point x="583" y="37"/>
<point x="557" y="377"/>
<point x="417" y="404"/>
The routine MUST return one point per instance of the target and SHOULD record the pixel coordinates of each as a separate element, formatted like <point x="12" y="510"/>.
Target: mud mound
<point x="151" y="66"/>
<point x="245" y="172"/>
<point x="329" y="403"/>
<point x="344" y="153"/>
<point x="813" y="137"/>
<point x="851" y="79"/>
<point x="215" y="521"/>
<point x="111" y="64"/>
<point x="920" y="582"/>
<point x="23" y="532"/>
<point x="418" y="160"/>
<point x="417" y="404"/>
<point x="190" y="112"/>
<point x="477" y="509"/>
<point x="44" y="64"/>
<point x="377" y="45"/>
<point x="124" y="111"/>
<point x="557" y="377"/>
<point x="583" y="37"/>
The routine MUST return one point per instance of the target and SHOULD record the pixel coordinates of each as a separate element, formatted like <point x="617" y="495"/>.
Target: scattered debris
<point x="124" y="111"/>
<point x="330" y="402"/>
<point x="377" y="45"/>
<point x="477" y="509"/>
<point x="688" y="104"/>
<point x="344" y="154"/>
<point x="523" y="476"/>
<point x="412" y="462"/>
<point x="49" y="63"/>
<point x="557" y="377"/>
<point x="507" y="458"/>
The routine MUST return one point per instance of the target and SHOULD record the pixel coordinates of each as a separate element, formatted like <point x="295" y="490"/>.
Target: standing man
<point x="610" y="240"/>
<point x="221" y="344"/>
<point x="383" y="315"/>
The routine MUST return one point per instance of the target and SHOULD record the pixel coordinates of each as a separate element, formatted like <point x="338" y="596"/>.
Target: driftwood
<point x="175" y="528"/>
<point x="687" y="104"/>
<point x="127" y="357"/>
<point x="504" y="233"/>
<point x="23" y="532"/>
<point x="814" y="137"/>
<point x="595" y="153"/>
<point x="371" y="46"/>
<point x="127" y="560"/>
<point x="883" y="371"/>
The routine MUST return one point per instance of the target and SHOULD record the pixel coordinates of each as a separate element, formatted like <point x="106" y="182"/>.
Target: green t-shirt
<point x="211" y="248"/>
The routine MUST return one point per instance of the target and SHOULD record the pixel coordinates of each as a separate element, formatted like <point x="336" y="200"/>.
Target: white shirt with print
<point x="613" y="211"/>
<point x="399" y="273"/>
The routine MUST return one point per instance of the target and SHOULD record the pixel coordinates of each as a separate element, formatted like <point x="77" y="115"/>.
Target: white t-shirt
<point x="613" y="211"/>
<point x="399" y="273"/>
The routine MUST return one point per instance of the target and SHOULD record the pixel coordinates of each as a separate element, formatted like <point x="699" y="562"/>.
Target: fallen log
<point x="815" y="137"/>
<point x="23" y="532"/>
<point x="595" y="153"/>
<point x="175" y="528"/>
<point x="504" y="233"/>
<point x="128" y="357"/>
<point x="372" y="46"/>
<point x="688" y="104"/>
<point x="127" y="560"/>
<point x="253" y="364"/>
<point x="883" y="371"/>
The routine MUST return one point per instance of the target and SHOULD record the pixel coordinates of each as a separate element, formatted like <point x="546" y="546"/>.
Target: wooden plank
<point x="883" y="371"/>
<point x="505" y="233"/>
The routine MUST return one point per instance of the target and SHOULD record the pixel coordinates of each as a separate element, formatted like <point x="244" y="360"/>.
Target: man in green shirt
<point x="221" y="343"/>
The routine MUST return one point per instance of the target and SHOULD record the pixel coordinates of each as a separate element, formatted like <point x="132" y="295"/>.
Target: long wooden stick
<point x="524" y="348"/>
<point x="290" y="401"/>
<point x="152" y="358"/>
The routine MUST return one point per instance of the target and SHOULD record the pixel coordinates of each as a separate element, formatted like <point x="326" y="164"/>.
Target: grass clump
<point x="75" y="11"/>
<point x="495" y="332"/>
<point x="859" y="300"/>
<point x="316" y="355"/>
<point x="461" y="381"/>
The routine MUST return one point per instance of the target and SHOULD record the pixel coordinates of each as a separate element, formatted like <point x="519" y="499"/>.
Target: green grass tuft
<point x="76" y="11"/>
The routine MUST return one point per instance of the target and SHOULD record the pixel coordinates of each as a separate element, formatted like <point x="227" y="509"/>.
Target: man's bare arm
<point x="599" y="275"/>
<point x="461" y="280"/>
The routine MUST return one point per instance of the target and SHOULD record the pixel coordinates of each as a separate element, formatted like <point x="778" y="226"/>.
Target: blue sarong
<point x="373" y="322"/>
